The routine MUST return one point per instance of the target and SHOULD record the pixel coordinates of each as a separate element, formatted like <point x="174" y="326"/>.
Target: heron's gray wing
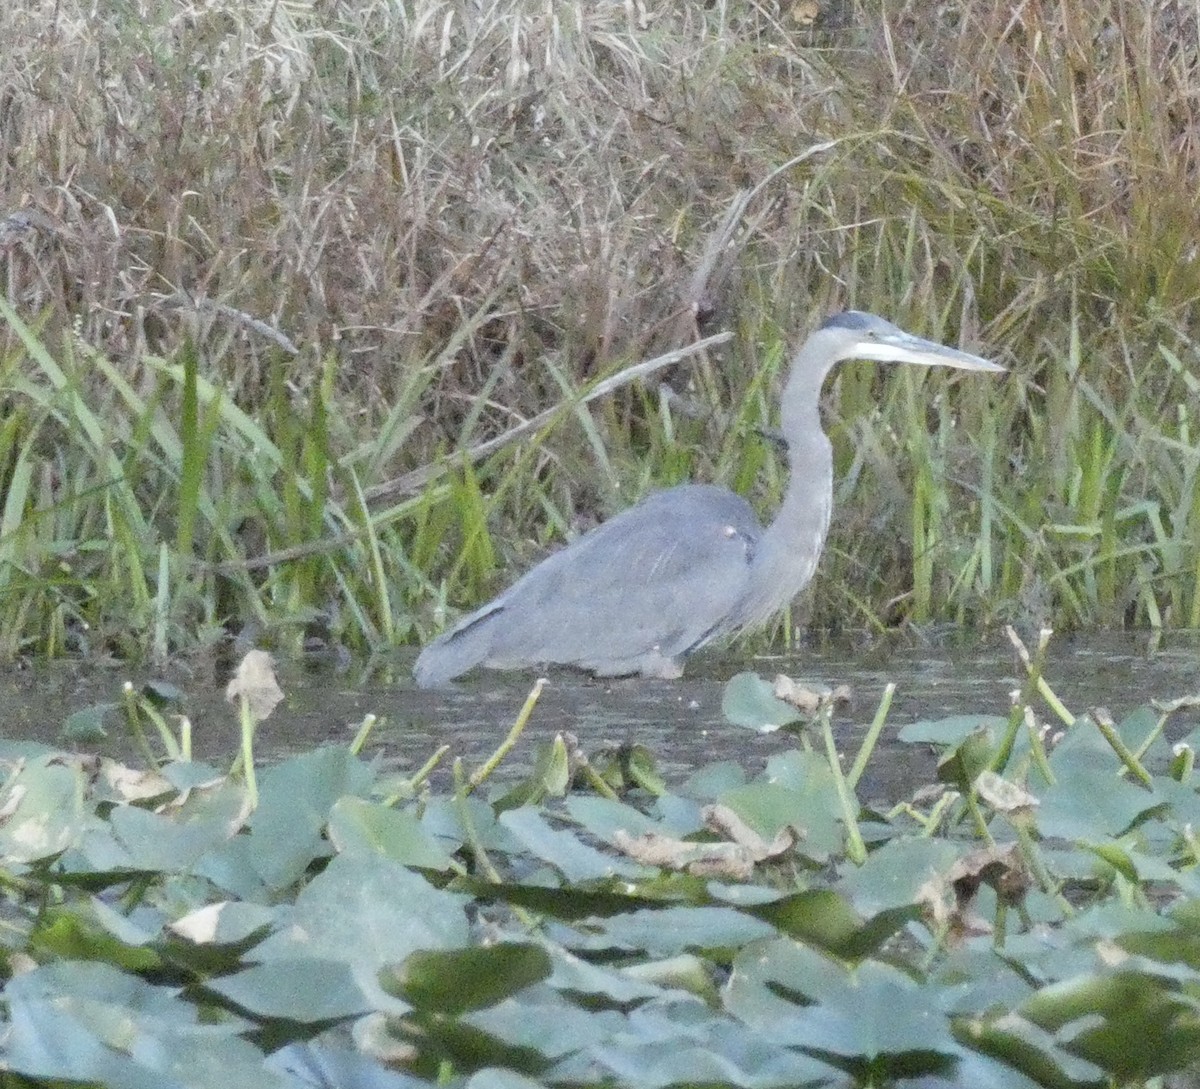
<point x="652" y="583"/>
<point x="657" y="580"/>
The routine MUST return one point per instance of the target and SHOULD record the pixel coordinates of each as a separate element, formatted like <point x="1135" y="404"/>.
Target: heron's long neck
<point x="787" y="554"/>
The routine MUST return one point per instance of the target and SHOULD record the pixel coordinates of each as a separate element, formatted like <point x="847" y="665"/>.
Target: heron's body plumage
<point x="641" y="591"/>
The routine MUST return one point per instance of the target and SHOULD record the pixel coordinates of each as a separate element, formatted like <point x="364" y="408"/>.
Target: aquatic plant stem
<point x="1184" y="763"/>
<point x="1032" y="855"/>
<point x="509" y="743"/>
<point x="1037" y="749"/>
<point x="971" y="801"/>
<point x="426" y="769"/>
<point x="1033" y="668"/>
<point x="940" y="809"/>
<point x="170" y="742"/>
<point x="1108" y="729"/>
<point x="364" y="731"/>
<point x="856" y="849"/>
<point x="873" y="731"/>
<point x="1000" y="927"/>
<point x="133" y="717"/>
<point x="247" y="754"/>
<point x="462" y="787"/>
<point x="928" y="821"/>
<point x="596" y="781"/>
<point x="1055" y="704"/>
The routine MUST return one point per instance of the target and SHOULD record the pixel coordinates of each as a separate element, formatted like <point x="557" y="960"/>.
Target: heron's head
<point x="855" y="334"/>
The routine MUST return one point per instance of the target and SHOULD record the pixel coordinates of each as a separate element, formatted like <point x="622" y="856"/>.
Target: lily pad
<point x="371" y="912"/>
<point x="359" y="826"/>
<point x="301" y="989"/>
<point x="90" y="1023"/>
<point x="750" y="701"/>
<point x="287" y="830"/>
<point x="43" y="810"/>
<point x="454" y="981"/>
<point x="564" y="850"/>
<point x="86" y="725"/>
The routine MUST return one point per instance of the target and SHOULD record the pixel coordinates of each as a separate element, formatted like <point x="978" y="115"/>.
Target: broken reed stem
<point x="876" y="728"/>
<point x="509" y="743"/>
<point x="856" y="849"/>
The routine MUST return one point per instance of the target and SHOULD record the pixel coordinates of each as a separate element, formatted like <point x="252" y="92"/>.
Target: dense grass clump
<point x="269" y="268"/>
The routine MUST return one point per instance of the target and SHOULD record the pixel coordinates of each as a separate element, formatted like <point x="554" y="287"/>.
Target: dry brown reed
<point x="466" y="203"/>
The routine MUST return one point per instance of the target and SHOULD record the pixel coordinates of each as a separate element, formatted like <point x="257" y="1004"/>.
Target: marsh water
<point x="679" y="721"/>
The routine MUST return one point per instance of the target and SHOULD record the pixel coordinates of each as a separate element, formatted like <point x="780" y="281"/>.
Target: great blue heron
<point x="643" y="590"/>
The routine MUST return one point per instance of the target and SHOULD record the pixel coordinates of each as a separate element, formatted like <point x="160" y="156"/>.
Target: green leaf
<point x="950" y="731"/>
<point x="87" y="725"/>
<point x="563" y="849"/>
<point x="368" y="911"/>
<point x="894" y="872"/>
<point x="1025" y="1047"/>
<point x="156" y="842"/>
<point x="664" y="932"/>
<point x="797" y="791"/>
<point x="227" y="923"/>
<point x="295" y="797"/>
<point x="43" y="803"/>
<point x="750" y="701"/>
<point x="678" y="1041"/>
<point x="823" y="918"/>
<point x="90" y="1023"/>
<point x="361" y="827"/>
<point x="71" y="936"/>
<point x="1135" y="1025"/>
<point x="305" y="989"/>
<point x="455" y="981"/>
<point x="963" y="763"/>
<point x="1087" y="802"/>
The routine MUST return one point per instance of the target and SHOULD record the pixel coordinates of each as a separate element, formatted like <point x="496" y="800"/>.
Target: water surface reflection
<point x="680" y="721"/>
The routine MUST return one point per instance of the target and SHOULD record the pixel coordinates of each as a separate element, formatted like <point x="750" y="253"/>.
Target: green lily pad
<point x="564" y="850"/>
<point x="287" y="829"/>
<point x="797" y="791"/>
<point x="617" y="985"/>
<point x="822" y="918"/>
<point x="1131" y="1023"/>
<point x="80" y="935"/>
<point x="86" y="725"/>
<point x="225" y="923"/>
<point x="964" y="762"/>
<point x="368" y="911"/>
<point x="358" y="826"/>
<point x="88" y="1022"/>
<point x="489" y="1078"/>
<point x="604" y="818"/>
<point x="163" y="693"/>
<point x="156" y="842"/>
<point x="750" y="701"/>
<point x="678" y="1041"/>
<point x="45" y="814"/>
<point x="951" y="731"/>
<point x="454" y="981"/>
<point x="894" y="873"/>
<point x="1087" y="801"/>
<point x="314" y="1065"/>
<point x="664" y="932"/>
<point x="304" y="989"/>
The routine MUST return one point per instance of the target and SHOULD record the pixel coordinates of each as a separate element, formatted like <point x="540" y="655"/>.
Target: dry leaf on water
<point x="255" y="681"/>
<point x="807" y="699"/>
